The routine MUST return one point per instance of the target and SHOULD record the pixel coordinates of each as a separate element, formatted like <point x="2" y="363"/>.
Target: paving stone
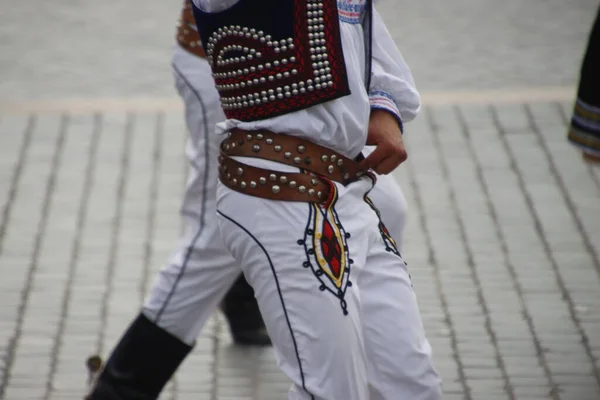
<point x="17" y="393"/>
<point x="527" y="392"/>
<point x="590" y="392"/>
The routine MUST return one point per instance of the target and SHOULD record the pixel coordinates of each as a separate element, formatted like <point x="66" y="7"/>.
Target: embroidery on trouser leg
<point x="326" y="247"/>
<point x="390" y="243"/>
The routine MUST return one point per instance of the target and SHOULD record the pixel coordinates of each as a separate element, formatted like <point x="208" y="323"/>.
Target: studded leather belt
<point x="269" y="184"/>
<point x="187" y="32"/>
<point x="319" y="166"/>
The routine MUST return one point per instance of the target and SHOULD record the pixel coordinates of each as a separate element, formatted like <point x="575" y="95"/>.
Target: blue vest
<point x="273" y="57"/>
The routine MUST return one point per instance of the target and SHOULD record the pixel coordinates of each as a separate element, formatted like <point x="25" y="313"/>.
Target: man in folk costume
<point x="332" y="268"/>
<point x="584" y="130"/>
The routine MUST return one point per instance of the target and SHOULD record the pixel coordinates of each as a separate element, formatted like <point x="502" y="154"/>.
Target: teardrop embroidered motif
<point x="325" y="244"/>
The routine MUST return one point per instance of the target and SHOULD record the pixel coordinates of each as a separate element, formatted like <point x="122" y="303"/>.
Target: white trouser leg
<point x="399" y="357"/>
<point x="188" y="290"/>
<point x="391" y="203"/>
<point x="313" y="319"/>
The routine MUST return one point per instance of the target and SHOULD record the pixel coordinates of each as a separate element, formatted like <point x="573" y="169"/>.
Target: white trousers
<point x="327" y="353"/>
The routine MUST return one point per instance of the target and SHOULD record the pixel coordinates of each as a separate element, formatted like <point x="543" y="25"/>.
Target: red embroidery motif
<point x="332" y="251"/>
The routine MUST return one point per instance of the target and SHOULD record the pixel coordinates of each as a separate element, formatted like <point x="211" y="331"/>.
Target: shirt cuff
<point x="381" y="100"/>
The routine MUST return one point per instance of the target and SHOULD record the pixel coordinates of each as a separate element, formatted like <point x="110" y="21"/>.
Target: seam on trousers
<point x="190" y="248"/>
<point x="287" y="318"/>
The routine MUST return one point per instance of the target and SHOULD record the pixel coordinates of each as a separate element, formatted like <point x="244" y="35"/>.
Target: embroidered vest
<point x="272" y="57"/>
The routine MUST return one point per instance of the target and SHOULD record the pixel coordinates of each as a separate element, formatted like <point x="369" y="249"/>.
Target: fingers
<point x="384" y="160"/>
<point x="374" y="159"/>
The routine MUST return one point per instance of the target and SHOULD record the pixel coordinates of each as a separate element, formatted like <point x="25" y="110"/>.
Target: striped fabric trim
<point x="588" y="107"/>
<point x="381" y="100"/>
<point x="584" y="131"/>
<point x="587" y="111"/>
<point x="584" y="148"/>
<point x="350" y="13"/>
<point x="586" y="123"/>
<point x="587" y="142"/>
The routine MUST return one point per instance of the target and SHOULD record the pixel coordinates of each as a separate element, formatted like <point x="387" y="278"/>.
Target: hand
<point x="384" y="133"/>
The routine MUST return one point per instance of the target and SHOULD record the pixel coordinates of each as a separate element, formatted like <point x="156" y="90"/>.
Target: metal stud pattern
<point x="275" y="177"/>
<point x="333" y="162"/>
<point x="245" y="57"/>
<point x="187" y="31"/>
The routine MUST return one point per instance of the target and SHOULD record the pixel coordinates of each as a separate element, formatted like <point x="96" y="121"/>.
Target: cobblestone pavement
<point x="112" y="48"/>
<point x="502" y="242"/>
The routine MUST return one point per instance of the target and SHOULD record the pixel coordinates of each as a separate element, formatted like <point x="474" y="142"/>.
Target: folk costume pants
<point x="313" y="348"/>
<point x="334" y="292"/>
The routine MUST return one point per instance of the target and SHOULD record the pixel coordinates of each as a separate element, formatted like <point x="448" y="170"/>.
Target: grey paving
<point x="111" y="48"/>
<point x="502" y="243"/>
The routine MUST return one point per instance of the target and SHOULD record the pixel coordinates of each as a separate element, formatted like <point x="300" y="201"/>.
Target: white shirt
<point x="342" y="124"/>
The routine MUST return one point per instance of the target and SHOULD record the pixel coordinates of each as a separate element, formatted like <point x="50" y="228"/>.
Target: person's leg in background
<point x="203" y="112"/>
<point x="200" y="274"/>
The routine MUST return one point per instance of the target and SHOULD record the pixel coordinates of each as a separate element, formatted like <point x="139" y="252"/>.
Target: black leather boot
<point x="141" y="364"/>
<point x="244" y="318"/>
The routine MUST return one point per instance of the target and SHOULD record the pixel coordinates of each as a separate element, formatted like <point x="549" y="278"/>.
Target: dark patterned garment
<point x="584" y="131"/>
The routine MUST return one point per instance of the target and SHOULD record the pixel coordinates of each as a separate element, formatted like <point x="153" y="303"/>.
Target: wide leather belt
<point x="319" y="166"/>
<point x="187" y="32"/>
<point x="274" y="185"/>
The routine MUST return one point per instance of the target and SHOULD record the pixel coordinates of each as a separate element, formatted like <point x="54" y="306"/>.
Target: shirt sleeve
<point x="392" y="84"/>
<point x="214" y="6"/>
